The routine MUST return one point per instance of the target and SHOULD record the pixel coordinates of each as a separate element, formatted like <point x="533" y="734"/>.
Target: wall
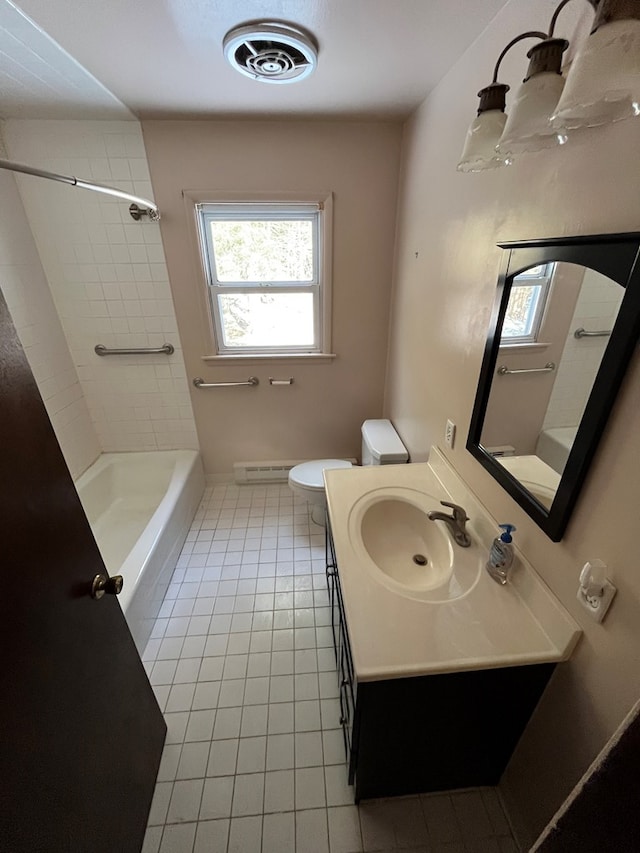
<point x="27" y="294"/>
<point x="596" y="309"/>
<point x="108" y="278"/>
<point x="320" y="414"/>
<point x="441" y="308"/>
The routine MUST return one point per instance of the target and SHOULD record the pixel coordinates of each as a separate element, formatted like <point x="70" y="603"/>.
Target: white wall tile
<point x="109" y="281"/>
<point x="29" y="300"/>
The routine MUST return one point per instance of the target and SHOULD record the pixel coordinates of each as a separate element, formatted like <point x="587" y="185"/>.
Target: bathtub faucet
<point x="455" y="522"/>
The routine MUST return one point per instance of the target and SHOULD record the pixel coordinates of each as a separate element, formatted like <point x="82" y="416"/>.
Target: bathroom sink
<point x="407" y="552"/>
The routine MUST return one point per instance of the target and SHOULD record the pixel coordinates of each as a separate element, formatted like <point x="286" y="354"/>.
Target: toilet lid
<point x="309" y="474"/>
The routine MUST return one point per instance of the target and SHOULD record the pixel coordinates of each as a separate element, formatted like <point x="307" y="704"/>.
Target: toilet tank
<point x="381" y="444"/>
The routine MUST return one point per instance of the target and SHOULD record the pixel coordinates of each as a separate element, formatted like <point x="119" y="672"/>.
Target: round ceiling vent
<point x="273" y="53"/>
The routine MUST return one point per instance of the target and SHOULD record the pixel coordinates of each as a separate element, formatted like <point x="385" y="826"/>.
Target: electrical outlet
<point x="450" y="434"/>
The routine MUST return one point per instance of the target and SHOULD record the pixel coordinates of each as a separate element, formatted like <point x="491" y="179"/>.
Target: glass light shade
<point x="603" y="84"/>
<point x="479" y="151"/>
<point x="528" y="127"/>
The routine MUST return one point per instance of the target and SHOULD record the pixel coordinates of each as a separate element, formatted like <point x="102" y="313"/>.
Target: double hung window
<point x="527" y="300"/>
<point x="266" y="276"/>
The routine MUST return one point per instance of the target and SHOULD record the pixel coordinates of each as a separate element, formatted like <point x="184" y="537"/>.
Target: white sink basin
<point x="407" y="552"/>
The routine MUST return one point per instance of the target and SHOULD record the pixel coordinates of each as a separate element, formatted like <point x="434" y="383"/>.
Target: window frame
<point x="525" y="280"/>
<point x="316" y="207"/>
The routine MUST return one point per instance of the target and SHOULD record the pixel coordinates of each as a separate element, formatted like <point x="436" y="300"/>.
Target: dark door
<point x="81" y="733"/>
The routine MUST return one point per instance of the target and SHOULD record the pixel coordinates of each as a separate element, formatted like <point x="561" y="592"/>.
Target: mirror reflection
<point x="554" y="334"/>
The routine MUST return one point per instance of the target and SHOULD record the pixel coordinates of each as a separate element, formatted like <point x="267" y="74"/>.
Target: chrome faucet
<point x="455" y="522"/>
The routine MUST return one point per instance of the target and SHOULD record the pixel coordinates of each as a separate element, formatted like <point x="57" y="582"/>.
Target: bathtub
<point x="140" y="507"/>
<point x="554" y="445"/>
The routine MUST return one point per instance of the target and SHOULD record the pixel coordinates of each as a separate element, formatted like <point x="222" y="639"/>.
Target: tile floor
<point x="242" y="663"/>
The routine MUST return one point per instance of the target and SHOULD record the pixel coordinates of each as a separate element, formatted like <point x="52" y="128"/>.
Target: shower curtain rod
<point x="138" y="208"/>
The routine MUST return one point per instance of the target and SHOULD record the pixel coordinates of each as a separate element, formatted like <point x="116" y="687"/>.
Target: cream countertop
<point x="488" y="626"/>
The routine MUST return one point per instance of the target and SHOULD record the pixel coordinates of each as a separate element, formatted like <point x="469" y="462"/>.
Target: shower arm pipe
<point x="139" y="206"/>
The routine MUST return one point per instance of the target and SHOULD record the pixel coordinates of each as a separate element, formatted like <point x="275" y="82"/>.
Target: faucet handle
<point x="459" y="513"/>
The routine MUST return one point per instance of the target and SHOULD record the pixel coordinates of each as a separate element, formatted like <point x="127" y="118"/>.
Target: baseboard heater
<point x="264" y="472"/>
<point x="269" y="471"/>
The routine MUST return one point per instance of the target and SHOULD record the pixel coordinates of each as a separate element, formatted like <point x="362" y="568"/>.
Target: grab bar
<point x="200" y="383"/>
<point x="582" y="333"/>
<point x="549" y="366"/>
<point x="167" y="349"/>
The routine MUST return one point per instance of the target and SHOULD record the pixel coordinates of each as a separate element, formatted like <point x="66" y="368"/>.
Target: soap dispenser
<point x="501" y="555"/>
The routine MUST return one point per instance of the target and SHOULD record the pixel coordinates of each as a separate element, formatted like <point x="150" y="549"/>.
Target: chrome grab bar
<point x="548" y="368"/>
<point x="200" y="383"/>
<point x="166" y="349"/>
<point x="582" y="333"/>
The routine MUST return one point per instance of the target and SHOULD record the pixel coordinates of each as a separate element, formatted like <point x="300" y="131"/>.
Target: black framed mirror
<point x="564" y="326"/>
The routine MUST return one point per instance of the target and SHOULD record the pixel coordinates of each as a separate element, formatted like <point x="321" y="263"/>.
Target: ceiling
<point x="163" y="58"/>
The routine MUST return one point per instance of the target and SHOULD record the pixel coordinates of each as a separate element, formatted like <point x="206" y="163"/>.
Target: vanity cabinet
<point x="432" y="732"/>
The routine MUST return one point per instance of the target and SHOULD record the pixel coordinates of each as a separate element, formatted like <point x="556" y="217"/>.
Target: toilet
<point x="381" y="445"/>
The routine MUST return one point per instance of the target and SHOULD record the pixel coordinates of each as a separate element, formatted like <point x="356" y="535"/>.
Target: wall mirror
<point x="564" y="326"/>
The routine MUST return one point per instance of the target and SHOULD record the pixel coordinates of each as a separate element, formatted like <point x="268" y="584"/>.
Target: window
<point x="527" y="301"/>
<point x="266" y="276"/>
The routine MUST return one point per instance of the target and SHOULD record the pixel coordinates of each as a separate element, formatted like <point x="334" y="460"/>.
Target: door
<point x="81" y="731"/>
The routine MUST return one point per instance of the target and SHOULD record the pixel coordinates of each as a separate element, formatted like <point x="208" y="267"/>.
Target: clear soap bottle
<point x="501" y="555"/>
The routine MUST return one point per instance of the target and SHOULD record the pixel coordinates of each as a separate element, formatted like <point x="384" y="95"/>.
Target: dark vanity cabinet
<point x="432" y="732"/>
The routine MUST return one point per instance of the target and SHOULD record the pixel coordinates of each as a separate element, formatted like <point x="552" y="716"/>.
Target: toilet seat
<point x="308" y="475"/>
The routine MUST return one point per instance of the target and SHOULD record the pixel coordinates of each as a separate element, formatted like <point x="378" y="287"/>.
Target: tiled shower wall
<point x="596" y="309"/>
<point x="108" y="278"/>
<point x="25" y="289"/>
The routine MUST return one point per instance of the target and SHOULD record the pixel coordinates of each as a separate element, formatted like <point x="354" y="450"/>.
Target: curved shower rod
<point x="139" y="206"/>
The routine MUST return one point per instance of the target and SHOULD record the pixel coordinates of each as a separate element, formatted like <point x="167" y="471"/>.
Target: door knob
<point x="102" y="584"/>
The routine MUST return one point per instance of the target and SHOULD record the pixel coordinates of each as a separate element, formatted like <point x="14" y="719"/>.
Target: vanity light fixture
<point x="603" y="86"/>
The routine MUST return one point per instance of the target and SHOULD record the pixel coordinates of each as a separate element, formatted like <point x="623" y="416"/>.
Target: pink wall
<point x="320" y="414"/>
<point x="446" y="268"/>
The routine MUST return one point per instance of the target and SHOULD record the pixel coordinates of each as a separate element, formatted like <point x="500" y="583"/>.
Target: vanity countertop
<point x="489" y="626"/>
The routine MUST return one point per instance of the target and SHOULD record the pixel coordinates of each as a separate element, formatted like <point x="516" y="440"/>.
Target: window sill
<point x="253" y="358"/>
<point x="524" y="347"/>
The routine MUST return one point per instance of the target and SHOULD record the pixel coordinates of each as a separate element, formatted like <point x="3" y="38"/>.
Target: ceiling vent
<point x="272" y="53"/>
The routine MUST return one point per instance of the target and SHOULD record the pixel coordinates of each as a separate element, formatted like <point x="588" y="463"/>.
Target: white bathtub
<point x="140" y="507"/>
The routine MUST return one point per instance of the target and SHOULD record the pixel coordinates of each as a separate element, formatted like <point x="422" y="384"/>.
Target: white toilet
<point x="381" y="445"/>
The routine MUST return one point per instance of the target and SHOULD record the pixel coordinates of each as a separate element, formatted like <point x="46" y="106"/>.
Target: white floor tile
<point x="245" y="834"/>
<point x="344" y="830"/>
<point x="240" y="659"/>
<point x="278" y="833"/>
<point x="279" y="791"/>
<point x="223" y="757"/>
<point x="339" y="792"/>
<point x="311" y="831"/>
<point x="184" y="805"/>
<point x="280" y="718"/>
<point x="248" y="794"/>
<point x="280" y="752"/>
<point x="216" y="798"/>
<point x="308" y="747"/>
<point x="212" y="836"/>
<point x="256" y="691"/>
<point x="200" y="726"/>
<point x="178" y="839"/>
<point x="227" y="723"/>
<point x="193" y="761"/>
<point x="152" y="839"/>
<point x="254" y="720"/>
<point x="160" y="803"/>
<point x="310" y="793"/>
<point x="252" y="755"/>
